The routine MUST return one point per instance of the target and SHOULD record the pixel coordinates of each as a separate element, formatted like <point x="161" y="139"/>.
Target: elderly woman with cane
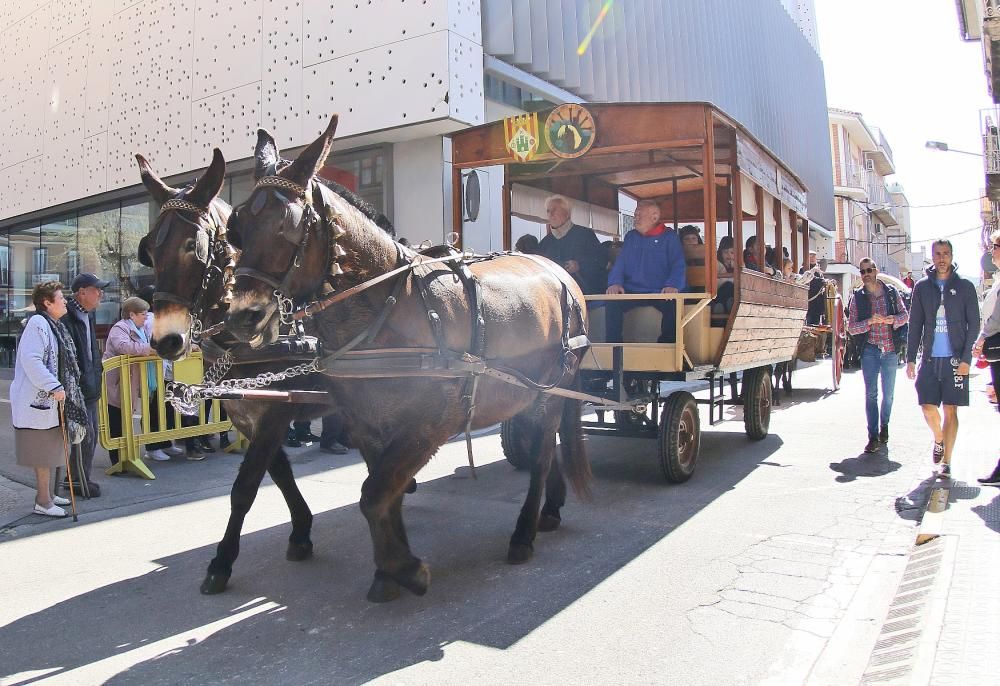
<point x="47" y="406"/>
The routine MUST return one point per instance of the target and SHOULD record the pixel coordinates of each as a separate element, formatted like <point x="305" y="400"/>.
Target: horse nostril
<point x="255" y="315"/>
<point x="168" y="345"/>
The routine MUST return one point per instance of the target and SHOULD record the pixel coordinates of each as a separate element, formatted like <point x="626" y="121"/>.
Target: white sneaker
<point x="59" y="500"/>
<point x="173" y="450"/>
<point x="52" y="511"/>
<point x="157" y="455"/>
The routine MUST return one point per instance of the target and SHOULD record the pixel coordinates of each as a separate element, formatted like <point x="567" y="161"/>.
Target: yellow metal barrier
<point x="129" y="444"/>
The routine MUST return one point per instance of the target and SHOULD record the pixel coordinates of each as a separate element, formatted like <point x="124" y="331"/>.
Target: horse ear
<point x="209" y="185"/>
<point x="313" y="157"/>
<point x="265" y="155"/>
<point x="160" y="191"/>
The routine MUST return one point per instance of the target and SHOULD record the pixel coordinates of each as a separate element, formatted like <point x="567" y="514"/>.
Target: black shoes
<point x="291" y="440"/>
<point x="93" y="489"/>
<point x="945" y="470"/>
<point x="333" y="448"/>
<point x="993" y="479"/>
<point x="205" y="445"/>
<point x="224" y="441"/>
<point x="872" y="446"/>
<point x="307" y="438"/>
<point x="883" y="435"/>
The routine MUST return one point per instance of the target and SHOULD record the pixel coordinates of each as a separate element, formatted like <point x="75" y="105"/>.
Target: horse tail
<point x="573" y="453"/>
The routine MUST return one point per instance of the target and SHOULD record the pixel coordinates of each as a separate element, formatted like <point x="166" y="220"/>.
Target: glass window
<point x="8" y="337"/>
<point x="22" y="241"/>
<point x="241" y="187"/>
<point x="98" y="252"/>
<point x="136" y="219"/>
<point x="58" y="240"/>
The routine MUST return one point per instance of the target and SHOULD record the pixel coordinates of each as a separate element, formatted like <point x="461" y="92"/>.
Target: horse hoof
<point x="416" y="579"/>
<point x="548" y="522"/>
<point x="519" y="553"/>
<point x="299" y="551"/>
<point x="214" y="583"/>
<point x="411" y="487"/>
<point x="383" y="589"/>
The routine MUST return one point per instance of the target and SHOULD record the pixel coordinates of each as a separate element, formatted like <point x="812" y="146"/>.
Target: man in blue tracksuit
<point x="651" y="261"/>
<point x="944" y="320"/>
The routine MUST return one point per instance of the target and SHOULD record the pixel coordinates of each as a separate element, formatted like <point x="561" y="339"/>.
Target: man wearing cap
<point x="82" y="324"/>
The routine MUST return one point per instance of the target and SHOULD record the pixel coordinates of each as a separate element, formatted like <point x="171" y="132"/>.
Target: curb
<point x="934" y="510"/>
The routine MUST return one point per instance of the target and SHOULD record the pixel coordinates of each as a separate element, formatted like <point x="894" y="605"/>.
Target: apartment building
<point x="865" y="210"/>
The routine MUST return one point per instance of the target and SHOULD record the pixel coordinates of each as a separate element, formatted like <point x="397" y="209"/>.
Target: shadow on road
<point x="309" y="622"/>
<point x="864" y="465"/>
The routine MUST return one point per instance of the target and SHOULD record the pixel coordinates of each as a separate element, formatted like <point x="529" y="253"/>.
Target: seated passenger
<point x="726" y="254"/>
<point x="751" y="259"/>
<point x="574" y="248"/>
<point x="527" y="244"/>
<point x="651" y="261"/>
<point x="694" y="253"/>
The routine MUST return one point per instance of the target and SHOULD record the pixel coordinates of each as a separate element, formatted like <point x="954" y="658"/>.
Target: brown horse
<point x="301" y="242"/>
<point x="187" y="249"/>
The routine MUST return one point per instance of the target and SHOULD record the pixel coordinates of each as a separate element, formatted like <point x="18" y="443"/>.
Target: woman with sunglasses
<point x="991" y="327"/>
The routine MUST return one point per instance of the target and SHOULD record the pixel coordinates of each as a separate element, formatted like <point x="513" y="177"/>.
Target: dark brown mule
<point x="304" y="242"/>
<point x="187" y="248"/>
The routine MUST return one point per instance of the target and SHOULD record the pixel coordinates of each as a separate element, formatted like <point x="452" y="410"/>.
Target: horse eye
<point x="189" y="245"/>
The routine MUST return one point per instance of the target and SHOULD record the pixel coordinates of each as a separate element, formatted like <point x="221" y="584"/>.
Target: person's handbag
<point x="991" y="348"/>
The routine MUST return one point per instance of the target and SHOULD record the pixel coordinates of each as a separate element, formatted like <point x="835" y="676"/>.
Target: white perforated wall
<point x="86" y="84"/>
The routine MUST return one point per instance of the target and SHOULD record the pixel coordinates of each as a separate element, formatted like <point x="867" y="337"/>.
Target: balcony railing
<point x="989" y="120"/>
<point x="854" y="177"/>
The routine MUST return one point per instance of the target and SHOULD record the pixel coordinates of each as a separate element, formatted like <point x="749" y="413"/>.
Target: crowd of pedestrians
<point x="57" y="383"/>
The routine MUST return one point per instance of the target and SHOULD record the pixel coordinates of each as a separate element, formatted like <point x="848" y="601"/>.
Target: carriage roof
<point x="645" y="150"/>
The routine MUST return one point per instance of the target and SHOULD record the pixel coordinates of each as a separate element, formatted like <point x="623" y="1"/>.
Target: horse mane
<point x="365" y="207"/>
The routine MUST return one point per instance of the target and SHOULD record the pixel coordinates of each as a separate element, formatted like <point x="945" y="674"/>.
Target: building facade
<point x="868" y="224"/>
<point x="86" y="84"/>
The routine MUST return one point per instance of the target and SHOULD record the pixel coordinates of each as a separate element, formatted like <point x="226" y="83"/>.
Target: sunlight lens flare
<point x="585" y="43"/>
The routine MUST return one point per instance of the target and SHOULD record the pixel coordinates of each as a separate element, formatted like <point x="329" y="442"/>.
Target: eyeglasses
<point x="869" y="270"/>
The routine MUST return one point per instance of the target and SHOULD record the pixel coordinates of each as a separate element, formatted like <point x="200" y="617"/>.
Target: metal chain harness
<point x="186" y="398"/>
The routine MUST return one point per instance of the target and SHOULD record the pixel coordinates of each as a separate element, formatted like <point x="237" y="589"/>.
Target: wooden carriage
<point x="702" y="168"/>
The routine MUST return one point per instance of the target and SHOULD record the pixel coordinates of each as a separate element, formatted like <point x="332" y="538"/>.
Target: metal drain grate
<point x="893" y="654"/>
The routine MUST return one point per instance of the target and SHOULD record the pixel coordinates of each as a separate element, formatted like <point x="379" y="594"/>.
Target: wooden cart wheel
<point x="512" y="449"/>
<point x="839" y="344"/>
<point x="757" y="402"/>
<point x="679" y="437"/>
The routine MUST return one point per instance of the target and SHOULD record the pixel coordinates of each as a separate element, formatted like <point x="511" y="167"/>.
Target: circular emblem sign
<point x="569" y="130"/>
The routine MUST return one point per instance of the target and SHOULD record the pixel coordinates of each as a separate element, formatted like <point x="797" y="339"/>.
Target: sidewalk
<point x="943" y="626"/>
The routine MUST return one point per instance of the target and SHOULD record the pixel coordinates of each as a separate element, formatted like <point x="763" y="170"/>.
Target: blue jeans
<point x="875" y="363"/>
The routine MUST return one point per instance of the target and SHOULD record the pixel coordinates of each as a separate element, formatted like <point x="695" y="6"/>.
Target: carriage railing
<point x="137" y="422"/>
<point x="683" y="316"/>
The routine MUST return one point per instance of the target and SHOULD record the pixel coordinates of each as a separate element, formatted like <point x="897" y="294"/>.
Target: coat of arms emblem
<point x="521" y="135"/>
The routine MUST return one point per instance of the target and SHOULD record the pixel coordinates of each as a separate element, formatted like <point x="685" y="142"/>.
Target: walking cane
<point x="69" y="474"/>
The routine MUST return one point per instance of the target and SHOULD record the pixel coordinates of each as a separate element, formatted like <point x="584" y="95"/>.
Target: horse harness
<point x="349" y="362"/>
<point x="211" y="250"/>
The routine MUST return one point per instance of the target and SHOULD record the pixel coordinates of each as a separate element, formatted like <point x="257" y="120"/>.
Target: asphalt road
<point x="775" y="563"/>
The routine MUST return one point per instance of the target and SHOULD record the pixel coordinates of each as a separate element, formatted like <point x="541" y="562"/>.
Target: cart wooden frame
<point x="702" y="167"/>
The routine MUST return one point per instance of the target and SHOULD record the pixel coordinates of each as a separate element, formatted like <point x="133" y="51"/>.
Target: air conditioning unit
<point x="870" y="165"/>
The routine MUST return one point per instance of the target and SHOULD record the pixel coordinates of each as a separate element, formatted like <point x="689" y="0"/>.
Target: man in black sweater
<point x="81" y="322"/>
<point x="574" y="248"/>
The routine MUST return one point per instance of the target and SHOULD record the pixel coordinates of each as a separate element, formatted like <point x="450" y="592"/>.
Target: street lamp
<point x="943" y="147"/>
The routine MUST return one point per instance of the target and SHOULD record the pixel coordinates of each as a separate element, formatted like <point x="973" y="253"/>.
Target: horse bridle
<point x="211" y="260"/>
<point x="306" y="221"/>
